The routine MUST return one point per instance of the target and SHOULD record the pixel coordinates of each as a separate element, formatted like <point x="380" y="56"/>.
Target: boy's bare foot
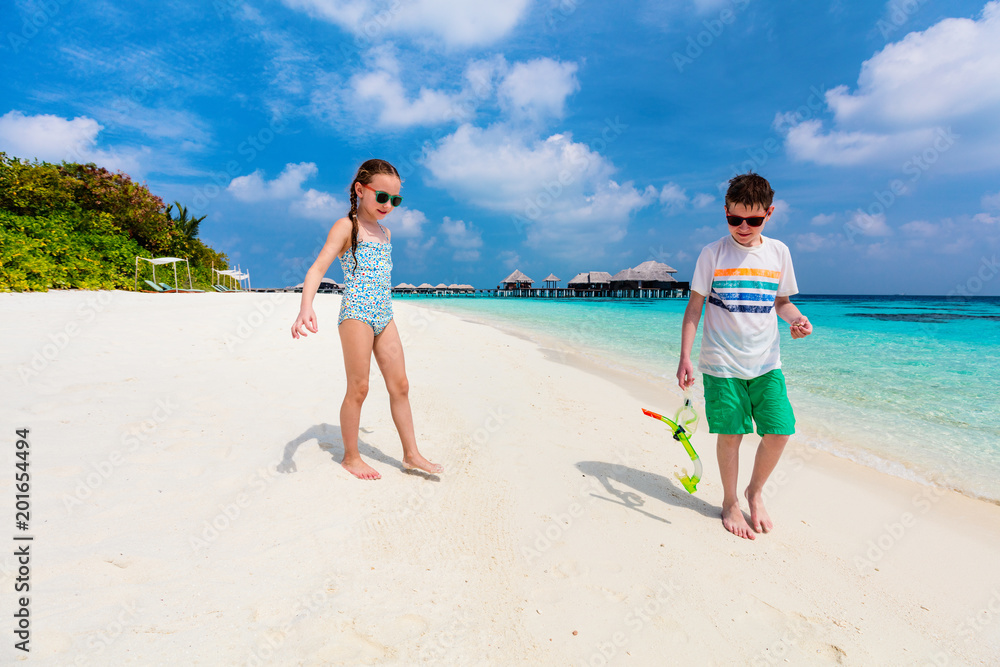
<point x="418" y="462"/>
<point x="760" y="520"/>
<point x="360" y="469"/>
<point x="732" y="519"/>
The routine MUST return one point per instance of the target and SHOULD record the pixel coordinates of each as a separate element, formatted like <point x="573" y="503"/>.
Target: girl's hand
<point x="307" y="319"/>
<point x="685" y="374"/>
<point x="801" y="327"/>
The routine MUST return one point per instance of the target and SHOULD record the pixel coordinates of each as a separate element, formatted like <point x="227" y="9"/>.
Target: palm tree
<point x="185" y="225"/>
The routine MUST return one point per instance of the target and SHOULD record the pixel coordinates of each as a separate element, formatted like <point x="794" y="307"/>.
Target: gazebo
<point x="160" y="261"/>
<point x="551" y="281"/>
<point x="516" y="280"/>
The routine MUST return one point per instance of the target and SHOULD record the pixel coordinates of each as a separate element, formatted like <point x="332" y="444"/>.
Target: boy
<point x="747" y="279"/>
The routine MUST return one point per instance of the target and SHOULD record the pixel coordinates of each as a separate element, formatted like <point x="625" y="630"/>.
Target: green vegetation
<point x="80" y="226"/>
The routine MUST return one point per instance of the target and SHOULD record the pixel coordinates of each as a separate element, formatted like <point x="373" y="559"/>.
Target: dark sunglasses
<point x="736" y="221"/>
<point x="383" y="197"/>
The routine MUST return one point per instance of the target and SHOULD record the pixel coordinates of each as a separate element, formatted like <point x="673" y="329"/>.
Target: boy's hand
<point x="801" y="327"/>
<point x="685" y="374"/>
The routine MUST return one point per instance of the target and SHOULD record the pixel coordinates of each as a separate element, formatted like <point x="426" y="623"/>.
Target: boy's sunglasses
<point x="383" y="197"/>
<point x="736" y="221"/>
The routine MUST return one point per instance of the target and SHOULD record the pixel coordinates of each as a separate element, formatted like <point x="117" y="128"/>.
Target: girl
<point x="365" y="323"/>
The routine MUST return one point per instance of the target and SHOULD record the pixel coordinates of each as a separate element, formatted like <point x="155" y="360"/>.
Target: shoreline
<point x="811" y="431"/>
<point x="223" y="526"/>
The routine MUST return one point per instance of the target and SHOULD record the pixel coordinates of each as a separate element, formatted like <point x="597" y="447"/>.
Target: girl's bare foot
<point x="759" y="518"/>
<point x="418" y="462"/>
<point x="360" y="469"/>
<point x="732" y="519"/>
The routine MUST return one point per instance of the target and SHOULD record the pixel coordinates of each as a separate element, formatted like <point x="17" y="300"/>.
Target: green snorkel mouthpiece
<point x="690" y="482"/>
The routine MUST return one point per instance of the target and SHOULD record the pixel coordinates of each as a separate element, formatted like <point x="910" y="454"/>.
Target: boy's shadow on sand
<point x="331" y="440"/>
<point x="647" y="484"/>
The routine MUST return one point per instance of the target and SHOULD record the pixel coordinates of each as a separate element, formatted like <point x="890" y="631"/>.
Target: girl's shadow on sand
<point x="647" y="484"/>
<point x="330" y="440"/>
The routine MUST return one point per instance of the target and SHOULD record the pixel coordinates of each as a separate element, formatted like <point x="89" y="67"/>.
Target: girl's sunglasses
<point x="736" y="221"/>
<point x="383" y="197"/>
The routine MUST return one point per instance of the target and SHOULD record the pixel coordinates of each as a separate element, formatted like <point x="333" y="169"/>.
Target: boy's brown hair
<point x="751" y="190"/>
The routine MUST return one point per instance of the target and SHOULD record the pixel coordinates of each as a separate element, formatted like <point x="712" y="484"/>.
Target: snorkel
<point x="685" y="417"/>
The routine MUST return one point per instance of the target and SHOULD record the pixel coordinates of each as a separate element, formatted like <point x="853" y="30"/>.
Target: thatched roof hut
<point x="648" y="274"/>
<point x="425" y="287"/>
<point x="516" y="280"/>
<point x="591" y="280"/>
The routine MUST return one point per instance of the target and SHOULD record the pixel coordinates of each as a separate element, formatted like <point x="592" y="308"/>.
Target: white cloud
<point x="558" y="191"/>
<point x="318" y="205"/>
<point x="378" y="91"/>
<point x="823" y="219"/>
<point x="811" y="241"/>
<point x="868" y="225"/>
<point x="54" y="139"/>
<point x="288" y="184"/>
<point x="673" y="196"/>
<point x="509" y="259"/>
<point x="702" y="199"/>
<point x="538" y="89"/>
<point x="919" y="228"/>
<point x="991" y="202"/>
<point x="780" y="215"/>
<point x="451" y="23"/>
<point x="406" y="222"/>
<point x="940" y="80"/>
<point x="465" y="239"/>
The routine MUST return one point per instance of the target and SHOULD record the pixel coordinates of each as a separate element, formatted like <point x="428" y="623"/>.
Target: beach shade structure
<point x="551" y="281"/>
<point x="425" y="287"/>
<point x="516" y="280"/>
<point x="649" y="274"/>
<point x="159" y="261"/>
<point x="235" y="277"/>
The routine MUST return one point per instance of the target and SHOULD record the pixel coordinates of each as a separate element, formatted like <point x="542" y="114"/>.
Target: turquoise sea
<point x="906" y="385"/>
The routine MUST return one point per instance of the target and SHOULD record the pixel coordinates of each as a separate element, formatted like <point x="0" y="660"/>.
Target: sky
<point x="550" y="136"/>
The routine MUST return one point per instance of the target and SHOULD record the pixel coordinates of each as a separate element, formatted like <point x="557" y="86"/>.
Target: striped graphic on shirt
<point x="744" y="290"/>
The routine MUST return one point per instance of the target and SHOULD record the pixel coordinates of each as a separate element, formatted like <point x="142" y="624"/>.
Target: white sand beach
<point x="188" y="507"/>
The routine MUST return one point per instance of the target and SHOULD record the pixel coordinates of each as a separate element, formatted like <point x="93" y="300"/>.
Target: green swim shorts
<point x="733" y="405"/>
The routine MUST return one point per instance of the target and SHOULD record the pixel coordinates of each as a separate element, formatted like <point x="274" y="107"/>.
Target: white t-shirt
<point x="740" y="336"/>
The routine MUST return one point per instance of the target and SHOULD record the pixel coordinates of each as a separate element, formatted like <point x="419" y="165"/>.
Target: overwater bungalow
<point x="592" y="283"/>
<point x="651" y="279"/>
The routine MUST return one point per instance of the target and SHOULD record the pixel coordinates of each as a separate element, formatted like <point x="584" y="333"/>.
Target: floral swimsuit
<point x="366" y="289"/>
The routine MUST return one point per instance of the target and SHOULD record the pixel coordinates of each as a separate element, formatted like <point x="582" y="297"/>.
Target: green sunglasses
<point x="383" y="197"/>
